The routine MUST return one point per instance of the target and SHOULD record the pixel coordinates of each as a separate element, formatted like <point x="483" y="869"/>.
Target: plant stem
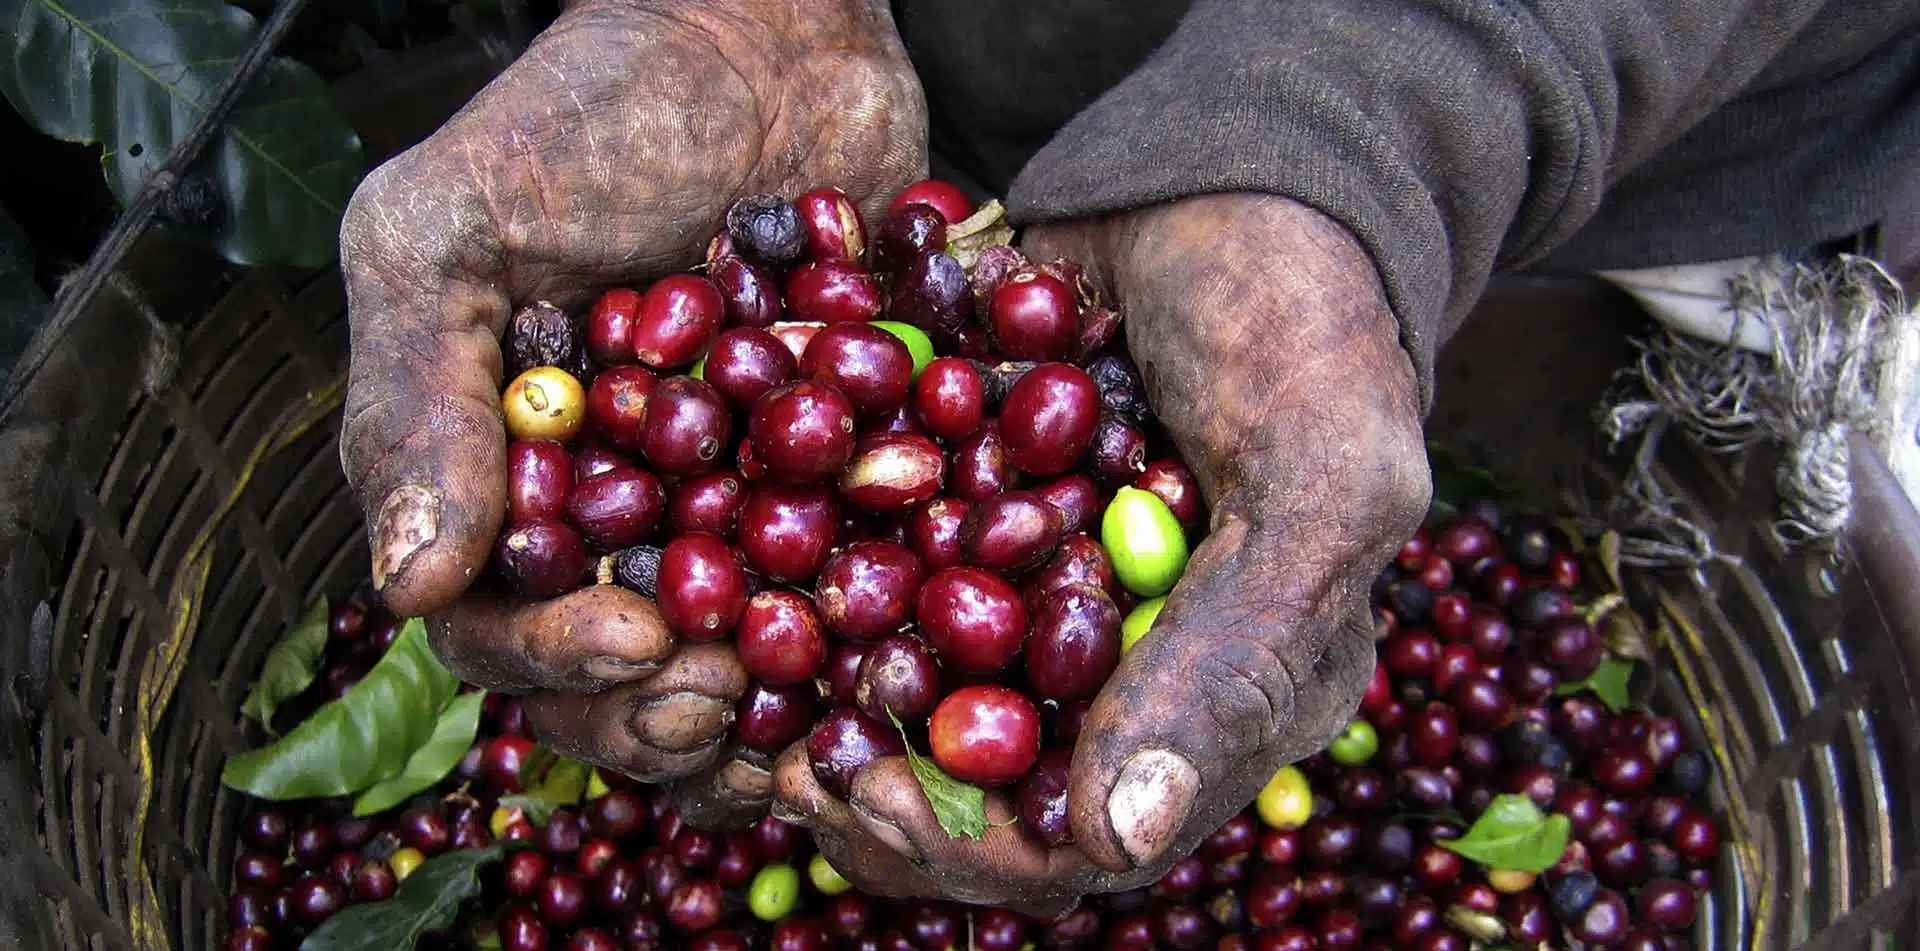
<point x="79" y="291"/>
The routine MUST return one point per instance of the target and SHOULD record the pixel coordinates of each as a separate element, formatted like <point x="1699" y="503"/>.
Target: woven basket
<point x="162" y="519"/>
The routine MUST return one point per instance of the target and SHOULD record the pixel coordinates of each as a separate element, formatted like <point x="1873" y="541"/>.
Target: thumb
<point x="423" y="442"/>
<point x="1256" y="661"/>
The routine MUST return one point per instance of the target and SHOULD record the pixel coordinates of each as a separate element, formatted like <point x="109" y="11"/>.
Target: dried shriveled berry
<point x="542" y="335"/>
<point x="767" y="228"/>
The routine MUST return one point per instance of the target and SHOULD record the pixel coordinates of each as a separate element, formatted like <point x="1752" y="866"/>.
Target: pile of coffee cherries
<point x="1344" y="850"/>
<point x="879" y="472"/>
<point x="913" y="478"/>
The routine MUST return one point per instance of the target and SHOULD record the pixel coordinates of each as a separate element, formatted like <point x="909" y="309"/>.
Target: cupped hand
<point x="1269" y="352"/>
<point x="606" y="155"/>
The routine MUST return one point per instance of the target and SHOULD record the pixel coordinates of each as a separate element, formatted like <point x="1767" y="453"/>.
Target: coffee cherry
<point x="1013" y="533"/>
<point x="987" y="735"/>
<point x="1605" y="922"/>
<point x="980" y="468"/>
<point x="1041" y="800"/>
<point x="866" y="590"/>
<point x="933" y="531"/>
<point x="844" y="742"/>
<point x="898" y="678"/>
<point x="872" y="367"/>
<point x="541" y="559"/>
<point x="1623" y="771"/>
<point x="1074" y="643"/>
<point x="832" y="224"/>
<point x="1048" y="419"/>
<point x="702" y="589"/>
<point x="695" y="906"/>
<point x="780" y="640"/>
<point x="1034" y="317"/>
<point x="786" y="532"/>
<point x="893" y="472"/>
<point x="803" y="432"/>
<point x="373" y="881"/>
<point x="975" y="620"/>
<point x="834" y="292"/>
<point x="544" y="403"/>
<point x="617" y="509"/>
<point x="746" y="362"/>
<point x="1667" y="905"/>
<point x="1695" y="838"/>
<point x="539" y="480"/>
<point x="315" y="898"/>
<point x="950" y="398"/>
<point x="945" y="198"/>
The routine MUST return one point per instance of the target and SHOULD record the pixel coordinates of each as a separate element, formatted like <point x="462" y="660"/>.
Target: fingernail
<point x="789" y="815"/>
<point x="409" y="520"/>
<point x="616" y="669"/>
<point x="1150" y="802"/>
<point x="890" y="835"/>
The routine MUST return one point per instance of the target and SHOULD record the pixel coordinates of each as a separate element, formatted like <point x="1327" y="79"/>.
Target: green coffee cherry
<point x="1138" y="621"/>
<point x="917" y="341"/>
<point x="774" y="892"/>
<point x="597" y="786"/>
<point x="1148" y="549"/>
<point x="825" y="877"/>
<point x="1355" y="745"/>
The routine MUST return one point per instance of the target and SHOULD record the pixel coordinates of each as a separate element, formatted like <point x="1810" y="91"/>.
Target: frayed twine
<point x="1841" y="341"/>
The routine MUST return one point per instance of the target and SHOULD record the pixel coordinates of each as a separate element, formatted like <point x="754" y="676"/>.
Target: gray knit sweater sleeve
<point x="1451" y="136"/>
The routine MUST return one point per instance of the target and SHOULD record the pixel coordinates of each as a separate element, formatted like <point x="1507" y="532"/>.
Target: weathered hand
<point x="607" y="154"/>
<point x="1269" y="352"/>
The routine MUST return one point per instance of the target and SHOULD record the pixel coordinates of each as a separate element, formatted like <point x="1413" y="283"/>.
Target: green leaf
<point x="359" y="739"/>
<point x="560" y="786"/>
<point x="453" y="733"/>
<point x="426" y="902"/>
<point x="23" y="305"/>
<point x="961" y="808"/>
<point x="1609" y="682"/>
<point x="290" y="664"/>
<point x="1514" y="835"/>
<point x="136" y="75"/>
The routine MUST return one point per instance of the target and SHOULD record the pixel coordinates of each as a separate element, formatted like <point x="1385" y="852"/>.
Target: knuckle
<point x="1247" y="690"/>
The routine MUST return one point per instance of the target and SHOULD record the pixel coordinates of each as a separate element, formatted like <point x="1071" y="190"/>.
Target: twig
<point x="77" y="293"/>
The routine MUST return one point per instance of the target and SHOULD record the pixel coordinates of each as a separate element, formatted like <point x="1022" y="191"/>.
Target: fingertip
<point x="586" y="641"/>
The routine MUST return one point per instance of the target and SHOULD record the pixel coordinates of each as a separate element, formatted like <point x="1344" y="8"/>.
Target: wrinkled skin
<point x="1270" y="353"/>
<point x="607" y="155"/>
